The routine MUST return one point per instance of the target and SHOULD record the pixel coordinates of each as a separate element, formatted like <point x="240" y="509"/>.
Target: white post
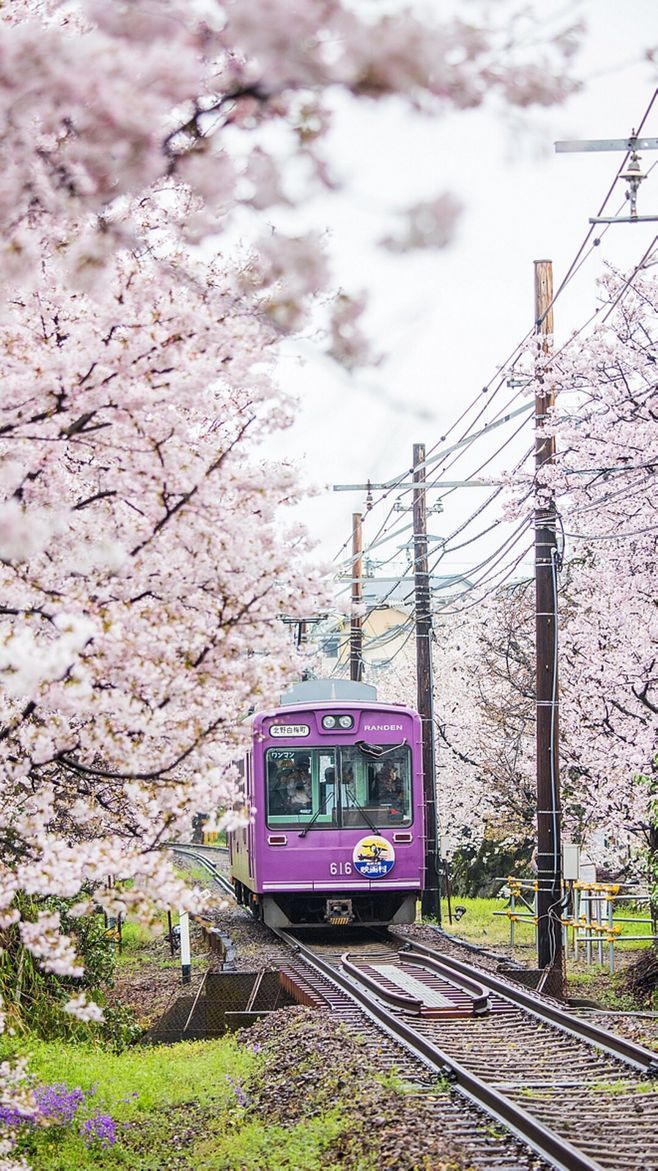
<point x="185" y="957"/>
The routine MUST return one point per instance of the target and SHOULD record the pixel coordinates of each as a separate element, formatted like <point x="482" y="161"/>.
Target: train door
<point x="250" y="830"/>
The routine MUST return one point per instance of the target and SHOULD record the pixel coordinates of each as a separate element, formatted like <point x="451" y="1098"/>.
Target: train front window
<point x="342" y="786"/>
<point x="376" y="785"/>
<point x="301" y="784"/>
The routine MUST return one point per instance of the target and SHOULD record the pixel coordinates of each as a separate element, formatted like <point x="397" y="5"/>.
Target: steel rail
<point x="474" y="988"/>
<point x="197" y="846"/>
<point x="478" y="996"/>
<point x="526" y="1128"/>
<point x="403" y="1000"/>
<point x="219" y="878"/>
<point x="642" y="1060"/>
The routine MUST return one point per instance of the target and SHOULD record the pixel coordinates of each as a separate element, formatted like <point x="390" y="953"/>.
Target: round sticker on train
<point x="373" y="857"/>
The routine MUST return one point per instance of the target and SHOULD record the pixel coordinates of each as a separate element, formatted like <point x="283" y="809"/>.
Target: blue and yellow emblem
<point x="373" y="857"/>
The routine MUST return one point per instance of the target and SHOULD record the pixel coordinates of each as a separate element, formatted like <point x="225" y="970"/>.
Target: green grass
<point x="479" y="925"/>
<point x="256" y="1146"/>
<point x="175" y="1107"/>
<point x="596" y="984"/>
<point x="140" y="944"/>
<point x="182" y="1091"/>
<point x="135" y="936"/>
<point x="193" y="872"/>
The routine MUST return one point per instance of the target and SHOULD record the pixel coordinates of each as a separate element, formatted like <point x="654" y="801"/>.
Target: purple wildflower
<point x="101" y="1129"/>
<point x="238" y="1090"/>
<point x="10" y="1118"/>
<point x="58" y="1103"/>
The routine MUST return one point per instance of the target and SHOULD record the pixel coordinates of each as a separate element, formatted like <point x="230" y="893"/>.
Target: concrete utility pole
<point x="431" y="903"/>
<point x="356" y="625"/>
<point x="549" y="867"/>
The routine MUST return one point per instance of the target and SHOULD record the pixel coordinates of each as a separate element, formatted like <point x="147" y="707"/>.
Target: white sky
<point x="446" y="320"/>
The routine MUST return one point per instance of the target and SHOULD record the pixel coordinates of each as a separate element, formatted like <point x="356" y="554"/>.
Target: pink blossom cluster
<point x="145" y="623"/>
<point x="104" y="104"/>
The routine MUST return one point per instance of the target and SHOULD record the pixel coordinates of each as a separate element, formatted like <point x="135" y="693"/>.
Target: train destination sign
<point x="290" y="730"/>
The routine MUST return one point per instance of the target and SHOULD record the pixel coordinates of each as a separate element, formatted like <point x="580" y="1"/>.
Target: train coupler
<point x="339" y="912"/>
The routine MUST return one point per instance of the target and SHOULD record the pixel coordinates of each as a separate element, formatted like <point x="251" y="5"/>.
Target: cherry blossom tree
<point x="604" y="480"/>
<point x="143" y="569"/>
<point x="145" y="566"/>
<point x="231" y="100"/>
<point x="141" y="616"/>
<point x="606" y="419"/>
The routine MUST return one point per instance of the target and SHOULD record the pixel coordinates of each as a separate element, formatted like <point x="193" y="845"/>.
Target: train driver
<point x="389" y="789"/>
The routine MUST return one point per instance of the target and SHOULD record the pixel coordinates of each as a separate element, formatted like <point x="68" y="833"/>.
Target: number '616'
<point x="340" y="867"/>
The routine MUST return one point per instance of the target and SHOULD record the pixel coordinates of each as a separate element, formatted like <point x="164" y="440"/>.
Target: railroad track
<point x="572" y="1095"/>
<point x="204" y="857"/>
<point x="578" y="1097"/>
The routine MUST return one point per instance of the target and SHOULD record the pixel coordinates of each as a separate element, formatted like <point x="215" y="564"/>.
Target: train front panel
<point x="339" y="826"/>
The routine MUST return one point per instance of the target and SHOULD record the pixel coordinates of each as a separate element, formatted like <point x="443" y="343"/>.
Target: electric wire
<point x="460" y="528"/>
<point x="627" y="493"/>
<point x="579" y="259"/>
<point x="611" y="536"/>
<point x="576" y="264"/>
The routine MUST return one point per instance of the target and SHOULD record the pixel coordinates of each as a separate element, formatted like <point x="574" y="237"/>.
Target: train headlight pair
<point x="342" y="722"/>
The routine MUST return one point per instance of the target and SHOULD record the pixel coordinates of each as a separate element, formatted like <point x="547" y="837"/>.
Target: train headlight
<point x="342" y="722"/>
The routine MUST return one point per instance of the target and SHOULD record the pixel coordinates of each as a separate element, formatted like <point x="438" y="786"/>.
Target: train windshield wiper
<point x="320" y="809"/>
<point x="366" y="818"/>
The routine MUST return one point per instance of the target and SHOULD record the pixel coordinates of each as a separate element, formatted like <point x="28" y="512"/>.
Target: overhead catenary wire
<point x="611" y="536"/>
<point x="382" y="537"/>
<point x="472" y="587"/>
<point x="474" y="515"/>
<point x="447" y="547"/>
<point x="502" y="369"/>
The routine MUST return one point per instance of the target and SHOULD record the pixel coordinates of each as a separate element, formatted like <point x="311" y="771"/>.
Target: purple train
<point x="338" y="836"/>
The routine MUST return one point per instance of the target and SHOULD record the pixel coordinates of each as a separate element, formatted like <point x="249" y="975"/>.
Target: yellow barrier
<point x="591" y="921"/>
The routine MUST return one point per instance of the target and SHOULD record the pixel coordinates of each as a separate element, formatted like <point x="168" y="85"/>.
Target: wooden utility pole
<point x="431" y="902"/>
<point x="356" y="626"/>
<point x="549" y="864"/>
